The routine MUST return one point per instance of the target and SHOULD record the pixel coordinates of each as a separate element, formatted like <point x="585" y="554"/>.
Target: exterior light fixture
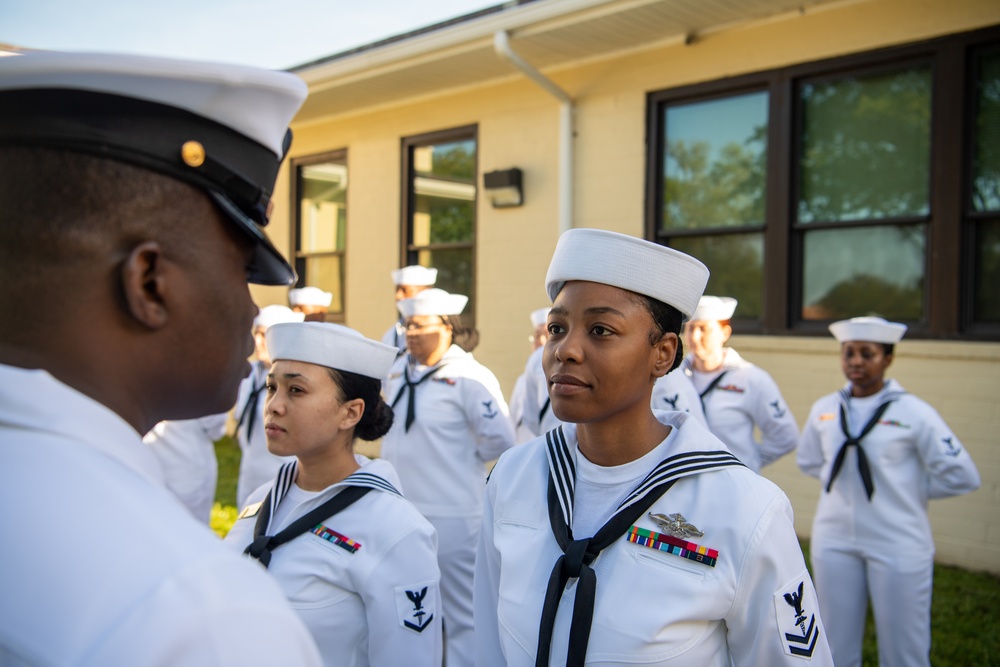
<point x="504" y="188"/>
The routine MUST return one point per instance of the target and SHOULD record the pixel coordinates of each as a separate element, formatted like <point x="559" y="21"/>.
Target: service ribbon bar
<point x="336" y="538"/>
<point x="673" y="545"/>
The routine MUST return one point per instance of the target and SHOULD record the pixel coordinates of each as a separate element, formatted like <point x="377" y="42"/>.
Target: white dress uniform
<point x="365" y="581"/>
<point x="86" y="498"/>
<point x="537" y="416"/>
<point x="675" y="392"/>
<point x="395" y="336"/>
<point x="746" y="397"/>
<point x="258" y="466"/>
<point x="461" y="423"/>
<point x="185" y="449"/>
<point x="880" y="547"/>
<point x="655" y="604"/>
<point x="516" y="406"/>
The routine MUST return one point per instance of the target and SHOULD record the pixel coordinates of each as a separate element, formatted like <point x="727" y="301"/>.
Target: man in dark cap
<point x="132" y="199"/>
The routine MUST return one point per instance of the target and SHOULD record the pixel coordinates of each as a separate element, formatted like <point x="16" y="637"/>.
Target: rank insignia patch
<point x="415" y="606"/>
<point x="794" y="608"/>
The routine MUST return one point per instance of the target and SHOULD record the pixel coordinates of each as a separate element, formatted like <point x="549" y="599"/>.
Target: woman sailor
<point x="880" y="453"/>
<point x="356" y="560"/>
<point x="738" y="397"/>
<point x="627" y="536"/>
<point x="451" y="419"/>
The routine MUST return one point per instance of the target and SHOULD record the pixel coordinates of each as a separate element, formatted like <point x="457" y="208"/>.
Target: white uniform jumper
<point x="107" y="567"/>
<point x="880" y="547"/>
<point x="537" y="416"/>
<point x="739" y="594"/>
<point x="739" y="396"/>
<point x="396" y="336"/>
<point x="459" y="423"/>
<point x="257" y="465"/>
<point x="365" y="581"/>
<point x="516" y="405"/>
<point x="186" y="450"/>
<point x="675" y="391"/>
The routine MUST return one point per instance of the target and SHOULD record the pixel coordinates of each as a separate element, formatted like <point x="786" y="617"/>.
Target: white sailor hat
<point x="310" y="296"/>
<point x="632" y="264"/>
<point x="271" y="315"/>
<point x="714" y="308"/>
<point x="222" y="128"/>
<point x="332" y="345"/>
<point x="415" y="275"/>
<point x="433" y="302"/>
<point x="872" y="329"/>
<point x="539" y="317"/>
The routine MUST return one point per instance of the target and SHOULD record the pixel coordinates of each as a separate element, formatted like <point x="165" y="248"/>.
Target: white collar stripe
<point x="562" y="471"/>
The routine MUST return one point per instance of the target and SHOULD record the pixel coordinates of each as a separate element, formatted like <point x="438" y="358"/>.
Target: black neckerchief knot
<point x="411" y="388"/>
<point x="855" y="441"/>
<point x="263" y="544"/>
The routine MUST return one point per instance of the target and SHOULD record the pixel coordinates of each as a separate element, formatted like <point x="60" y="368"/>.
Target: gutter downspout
<point x="501" y="44"/>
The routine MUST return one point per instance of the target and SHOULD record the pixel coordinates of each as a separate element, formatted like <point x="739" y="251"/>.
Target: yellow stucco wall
<point x="518" y="126"/>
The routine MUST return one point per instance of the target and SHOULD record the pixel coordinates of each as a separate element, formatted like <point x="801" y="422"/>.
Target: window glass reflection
<point x="715" y="163"/>
<point x="328" y="271"/>
<point x="454" y="267"/>
<point x="866" y="147"/>
<point x="737" y="265"/>
<point x="987" y="302"/>
<point x="864" y="271"/>
<point x="986" y="165"/>
<point x="323" y="207"/>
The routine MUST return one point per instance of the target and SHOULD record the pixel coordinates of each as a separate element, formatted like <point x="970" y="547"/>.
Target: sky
<point x="276" y="34"/>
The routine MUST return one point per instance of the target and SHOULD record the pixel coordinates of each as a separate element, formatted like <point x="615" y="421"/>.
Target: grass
<point x="965" y="621"/>
<point x="224" y="510"/>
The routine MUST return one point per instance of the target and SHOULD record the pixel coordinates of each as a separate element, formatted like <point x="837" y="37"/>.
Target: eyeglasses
<point x="417" y="326"/>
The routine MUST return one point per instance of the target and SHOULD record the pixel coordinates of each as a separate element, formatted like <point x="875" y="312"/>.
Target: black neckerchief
<point x="710" y="387"/>
<point x="411" y="405"/>
<point x="855" y="441"/>
<point x="249" y="413"/>
<point x="579" y="554"/>
<point x="357" y="485"/>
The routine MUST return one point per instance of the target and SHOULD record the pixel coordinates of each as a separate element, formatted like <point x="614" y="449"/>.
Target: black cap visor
<point x="235" y="171"/>
<point x="267" y="266"/>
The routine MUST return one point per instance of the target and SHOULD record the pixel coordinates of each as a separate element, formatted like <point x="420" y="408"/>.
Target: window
<point x="868" y="184"/>
<point x="864" y="193"/>
<point x="320" y="193"/>
<point x="983" y="205"/>
<point x="439" y="208"/>
<point x="713" y="183"/>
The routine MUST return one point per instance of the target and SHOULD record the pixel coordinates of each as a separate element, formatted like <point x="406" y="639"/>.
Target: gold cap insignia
<point x="193" y="153"/>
